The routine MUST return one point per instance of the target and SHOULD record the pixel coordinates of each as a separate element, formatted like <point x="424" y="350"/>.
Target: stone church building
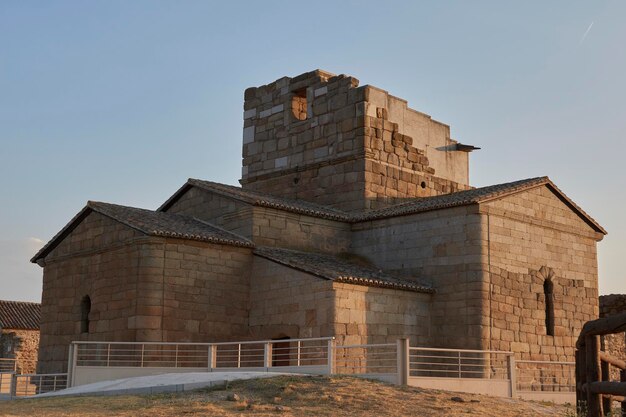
<point x="355" y="219"/>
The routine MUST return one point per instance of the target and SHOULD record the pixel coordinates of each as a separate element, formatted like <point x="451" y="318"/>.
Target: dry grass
<point x="288" y="396"/>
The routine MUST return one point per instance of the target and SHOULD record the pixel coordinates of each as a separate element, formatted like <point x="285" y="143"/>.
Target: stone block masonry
<point x="289" y="303"/>
<point x="141" y="289"/>
<point x="508" y="267"/>
<point x="321" y="138"/>
<point x="21" y="345"/>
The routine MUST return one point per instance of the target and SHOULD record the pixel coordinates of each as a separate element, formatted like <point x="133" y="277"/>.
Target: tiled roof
<point x="338" y="269"/>
<point x="473" y="196"/>
<point x="19" y="315"/>
<point x="415" y="205"/>
<point x="261" y="199"/>
<point x="152" y="223"/>
<point x="459" y="198"/>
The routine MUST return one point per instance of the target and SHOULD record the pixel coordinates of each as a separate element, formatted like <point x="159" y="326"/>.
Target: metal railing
<point x="253" y="354"/>
<point x="368" y="359"/>
<point x="545" y="376"/>
<point x="6" y="379"/>
<point x="8" y="365"/>
<point x="459" y="363"/>
<point x="25" y="385"/>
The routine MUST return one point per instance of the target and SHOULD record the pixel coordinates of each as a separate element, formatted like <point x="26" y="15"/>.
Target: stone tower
<point x="320" y="137"/>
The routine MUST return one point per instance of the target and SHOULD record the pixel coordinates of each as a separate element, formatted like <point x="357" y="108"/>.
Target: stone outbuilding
<point x="355" y="219"/>
<point x="19" y="333"/>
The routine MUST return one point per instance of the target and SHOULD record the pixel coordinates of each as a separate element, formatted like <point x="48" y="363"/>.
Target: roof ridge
<point x="455" y="199"/>
<point x="151" y="223"/>
<point x="271" y="201"/>
<point x="332" y="267"/>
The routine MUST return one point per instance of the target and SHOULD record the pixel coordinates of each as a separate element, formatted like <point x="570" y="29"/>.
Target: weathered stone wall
<point x="288" y="303"/>
<point x="21" y="345"/>
<point x="295" y="231"/>
<point x="101" y="260"/>
<point x="343" y="150"/>
<point x="380" y="315"/>
<point x="535" y="228"/>
<point x="518" y="306"/>
<point x="141" y="289"/>
<point x="230" y="214"/>
<point x="521" y="234"/>
<point x="265" y="226"/>
<point x="431" y="136"/>
<point x="192" y="292"/>
<point x="615" y="344"/>
<point x="442" y="248"/>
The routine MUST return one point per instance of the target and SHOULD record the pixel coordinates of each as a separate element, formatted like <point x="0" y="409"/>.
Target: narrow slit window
<point x="299" y="104"/>
<point x="85" y="309"/>
<point x="548" y="289"/>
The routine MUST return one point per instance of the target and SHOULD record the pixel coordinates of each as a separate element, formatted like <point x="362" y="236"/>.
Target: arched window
<point x="548" y="288"/>
<point x="85" y="309"/>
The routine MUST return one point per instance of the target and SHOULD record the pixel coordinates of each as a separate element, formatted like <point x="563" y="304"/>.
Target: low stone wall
<point x="21" y="345"/>
<point x="615" y="344"/>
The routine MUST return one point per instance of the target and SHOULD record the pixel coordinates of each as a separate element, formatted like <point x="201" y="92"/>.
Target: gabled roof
<point x="475" y="196"/>
<point x="20" y="315"/>
<point x="339" y="270"/>
<point x="259" y="199"/>
<point x="413" y="206"/>
<point x="151" y="223"/>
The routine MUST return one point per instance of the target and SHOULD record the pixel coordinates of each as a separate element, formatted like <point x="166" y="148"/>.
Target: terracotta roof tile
<point x="459" y="198"/>
<point x="156" y="223"/>
<point x="474" y="196"/>
<point x="152" y="223"/>
<point x="20" y="315"/>
<point x="339" y="270"/>
<point x="412" y="206"/>
<point x="263" y="200"/>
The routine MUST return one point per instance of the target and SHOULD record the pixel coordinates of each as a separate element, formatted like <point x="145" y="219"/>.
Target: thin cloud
<point x="585" y="34"/>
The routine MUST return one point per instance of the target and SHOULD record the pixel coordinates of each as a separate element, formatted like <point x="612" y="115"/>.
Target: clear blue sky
<point x="122" y="101"/>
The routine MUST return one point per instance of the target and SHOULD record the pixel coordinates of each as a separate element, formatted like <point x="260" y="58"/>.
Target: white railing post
<point x="510" y="362"/>
<point x="143" y="347"/>
<point x="70" y="364"/>
<point x="267" y="355"/>
<point x="213" y="357"/>
<point x="239" y="355"/>
<point x="71" y="377"/>
<point x="330" y="356"/>
<point x="402" y="361"/>
<point x="176" y="357"/>
<point x="298" y="355"/>
<point x="459" y="355"/>
<point x="209" y="358"/>
<point x="108" y="354"/>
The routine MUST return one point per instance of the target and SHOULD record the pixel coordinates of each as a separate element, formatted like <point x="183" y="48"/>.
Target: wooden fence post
<point x="592" y="346"/>
<point x="622" y="377"/>
<point x="581" y="399"/>
<point x="604" y="370"/>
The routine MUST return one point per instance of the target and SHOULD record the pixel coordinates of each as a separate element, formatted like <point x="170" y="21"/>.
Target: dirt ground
<point x="289" y="396"/>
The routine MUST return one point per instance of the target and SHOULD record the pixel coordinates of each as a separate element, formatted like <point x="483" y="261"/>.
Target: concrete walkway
<point x="155" y="384"/>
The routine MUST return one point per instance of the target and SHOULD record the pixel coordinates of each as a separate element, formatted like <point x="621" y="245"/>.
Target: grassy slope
<point x="288" y="396"/>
